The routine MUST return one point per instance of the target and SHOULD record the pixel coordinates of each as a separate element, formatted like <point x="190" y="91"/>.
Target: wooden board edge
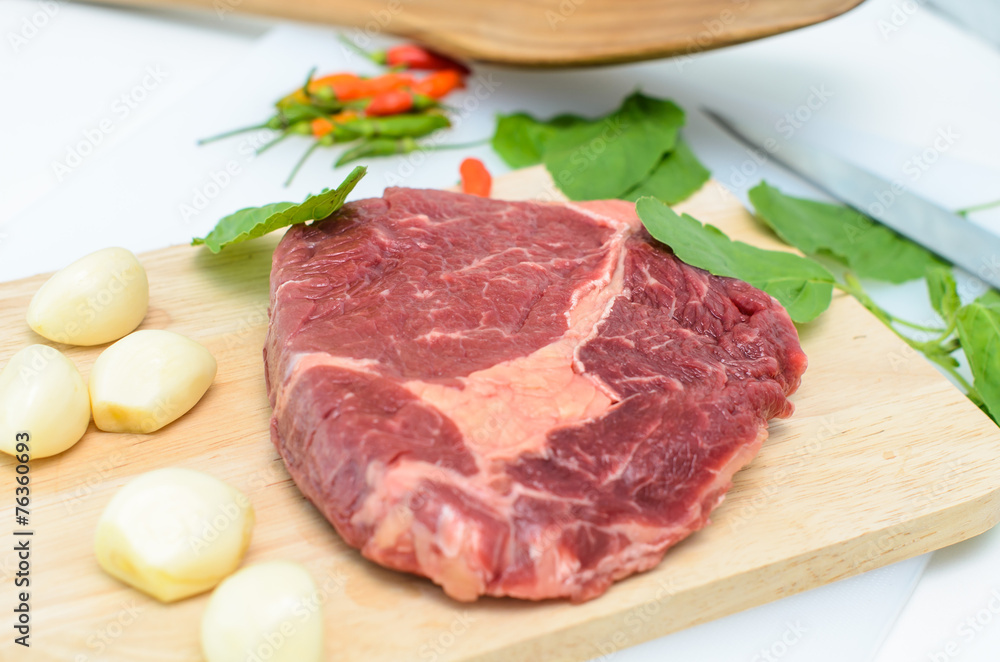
<point x="870" y="551"/>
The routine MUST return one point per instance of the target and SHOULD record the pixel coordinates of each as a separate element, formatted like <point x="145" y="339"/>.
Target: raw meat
<point x="510" y="398"/>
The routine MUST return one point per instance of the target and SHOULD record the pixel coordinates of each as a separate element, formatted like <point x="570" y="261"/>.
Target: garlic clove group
<point x="174" y="532"/>
<point x="99" y="298"/>
<point x="42" y="394"/>
<point x="269" y="611"/>
<point x="148" y="379"/>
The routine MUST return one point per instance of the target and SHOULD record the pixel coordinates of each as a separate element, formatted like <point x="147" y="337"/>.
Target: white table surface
<point x="884" y="80"/>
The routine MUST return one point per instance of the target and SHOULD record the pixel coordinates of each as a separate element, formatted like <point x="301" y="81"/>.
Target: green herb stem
<point x="852" y="286"/>
<point x="970" y="391"/>
<point x="935" y="350"/>
<point x="965" y="211"/>
<point x="920" y="327"/>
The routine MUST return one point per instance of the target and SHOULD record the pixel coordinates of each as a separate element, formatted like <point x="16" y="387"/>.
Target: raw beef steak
<point x="511" y="398"/>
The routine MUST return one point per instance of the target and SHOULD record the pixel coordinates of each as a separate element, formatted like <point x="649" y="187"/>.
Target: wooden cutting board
<point x="546" y="33"/>
<point x="882" y="461"/>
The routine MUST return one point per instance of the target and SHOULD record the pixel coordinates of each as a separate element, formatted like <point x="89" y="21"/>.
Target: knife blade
<point x="938" y="230"/>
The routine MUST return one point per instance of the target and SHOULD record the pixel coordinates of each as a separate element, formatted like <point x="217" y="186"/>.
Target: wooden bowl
<point x="550" y="33"/>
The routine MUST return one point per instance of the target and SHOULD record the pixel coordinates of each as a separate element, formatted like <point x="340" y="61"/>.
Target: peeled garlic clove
<point x="173" y="533"/>
<point x="148" y="379"/>
<point x="269" y="611"/>
<point x="97" y="299"/>
<point x="42" y="394"/>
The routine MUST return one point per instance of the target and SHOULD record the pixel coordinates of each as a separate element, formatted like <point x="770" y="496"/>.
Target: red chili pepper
<point x="387" y="82"/>
<point x="476" y="179"/>
<point x="349" y="87"/>
<point x="416" y="57"/>
<point x="439" y="84"/>
<point x="391" y="102"/>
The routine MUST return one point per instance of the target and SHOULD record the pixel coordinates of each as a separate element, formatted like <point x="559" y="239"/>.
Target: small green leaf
<point x="254" y="222"/>
<point x="604" y="158"/>
<point x="869" y="249"/>
<point x="678" y="175"/>
<point x="802" y="286"/>
<point x="520" y="139"/>
<point x="943" y="291"/>
<point x="979" y="330"/>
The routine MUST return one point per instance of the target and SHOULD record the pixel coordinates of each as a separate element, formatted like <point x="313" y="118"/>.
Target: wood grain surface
<point x="882" y="461"/>
<point x="547" y="33"/>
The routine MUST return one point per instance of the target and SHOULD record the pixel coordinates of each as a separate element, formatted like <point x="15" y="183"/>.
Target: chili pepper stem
<point x="357" y="49"/>
<point x="477" y="143"/>
<point x="234" y="132"/>
<point x="305" y="86"/>
<point x="302" y="160"/>
<point x="271" y="143"/>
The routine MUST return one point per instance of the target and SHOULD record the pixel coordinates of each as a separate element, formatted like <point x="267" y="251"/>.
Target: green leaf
<point x="520" y="139"/>
<point x="979" y="331"/>
<point x="869" y="249"/>
<point x="678" y="175"/>
<point x="943" y="291"/>
<point x="606" y="157"/>
<point x="802" y="286"/>
<point x="990" y="297"/>
<point x="254" y="222"/>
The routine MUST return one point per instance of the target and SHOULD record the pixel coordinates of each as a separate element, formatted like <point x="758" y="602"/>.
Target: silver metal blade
<point x="938" y="230"/>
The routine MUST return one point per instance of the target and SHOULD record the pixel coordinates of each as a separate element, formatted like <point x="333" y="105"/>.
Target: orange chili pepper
<point x="476" y="179"/>
<point x="332" y="80"/>
<point x="321" y="126"/>
<point x="391" y="102"/>
<point x="439" y="83"/>
<point x="340" y="85"/>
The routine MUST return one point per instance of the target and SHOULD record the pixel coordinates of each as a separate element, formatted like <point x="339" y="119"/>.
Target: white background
<point x="102" y="108"/>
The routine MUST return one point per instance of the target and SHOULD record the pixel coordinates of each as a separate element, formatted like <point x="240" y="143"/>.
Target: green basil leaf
<point x="979" y="331"/>
<point x="869" y="249"/>
<point x="802" y="286"/>
<point x="254" y="222"/>
<point x="606" y="157"/>
<point x="520" y="139"/>
<point x="678" y="175"/>
<point x="943" y="291"/>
